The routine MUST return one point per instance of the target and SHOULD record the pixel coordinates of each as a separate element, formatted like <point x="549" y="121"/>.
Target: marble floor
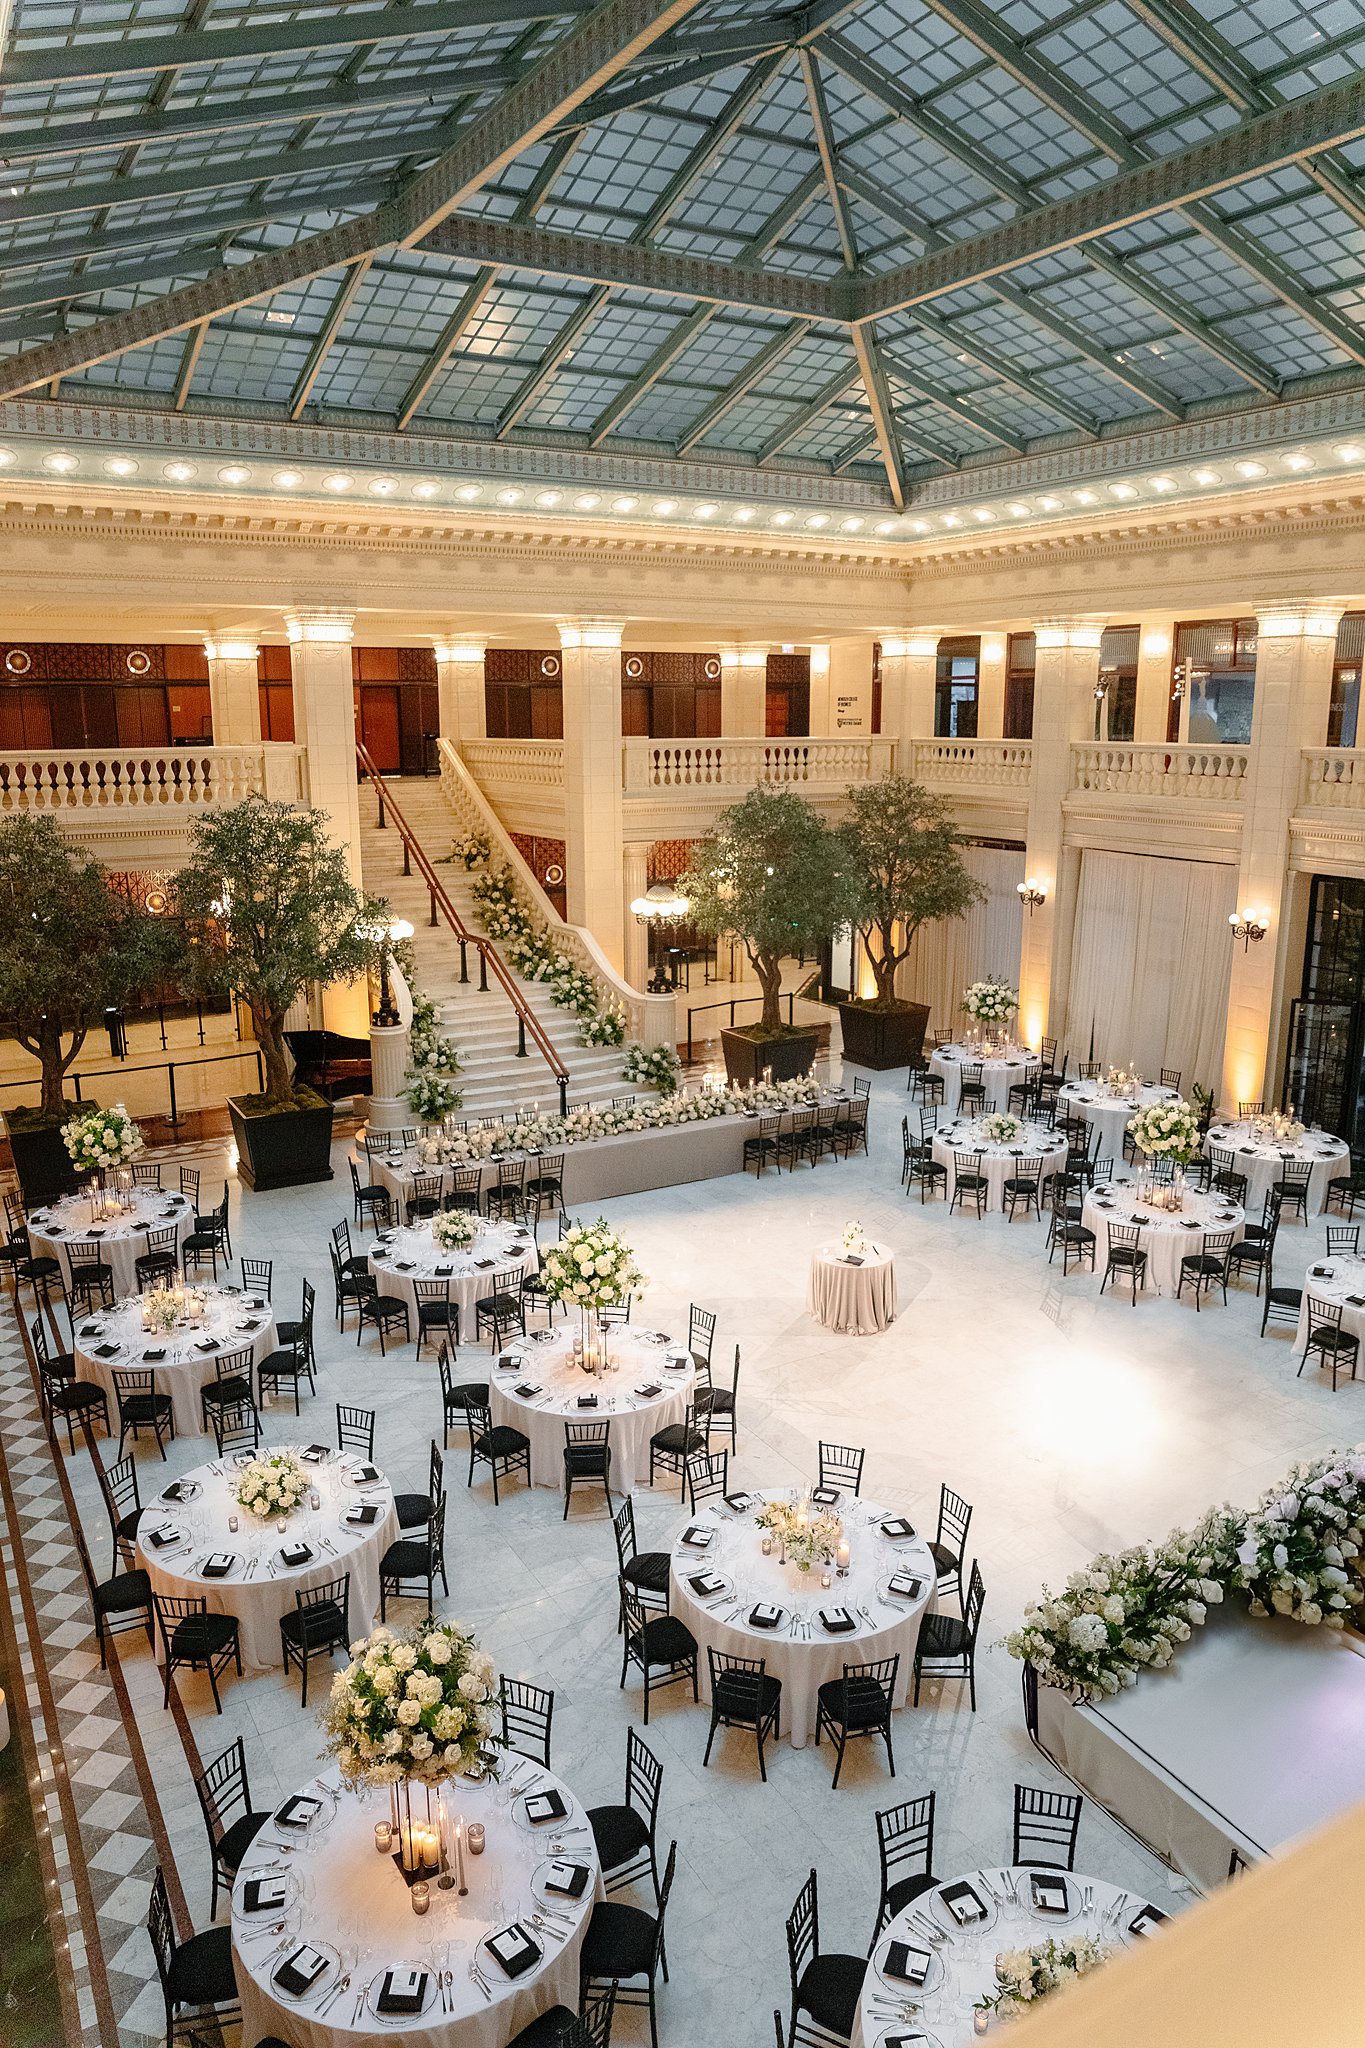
<point x="1070" y="1421"/>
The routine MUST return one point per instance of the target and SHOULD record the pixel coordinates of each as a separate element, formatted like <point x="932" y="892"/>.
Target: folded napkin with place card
<point x="649" y="1391"/>
<point x="403" y="1265"/>
<point x="366" y="1513"/>
<point x="1049" y="1893"/>
<point x="911" y="1965"/>
<point x="965" y="1904"/>
<point x="162" y="1539"/>
<point x="904" y="2041"/>
<point x="155" y="1355"/>
<point x="264" y="1894"/>
<point x="301" y="1971"/>
<point x="92" y="1330"/>
<point x="402" y="1991"/>
<point x="365" y="1475"/>
<point x="587" y="1400"/>
<point x="527" y="1391"/>
<point x="507" y="1363"/>
<point x="96" y="1233"/>
<point x="897" y="1528"/>
<point x="824" y="1496"/>
<point x="483" y="1264"/>
<point x="1146" y="1920"/>
<point x="107" y="1350"/>
<point x="315" y="1453"/>
<point x="697" y="1539"/>
<point x="569" y="1880"/>
<point x="765" y="1615"/>
<point x="177" y="1490"/>
<point x="444" y="1272"/>
<point x="207" y="1344"/>
<point x="298" y="1810"/>
<point x="220" y="1564"/>
<point x="836" y="1621"/>
<point x="739" y="1503"/>
<point x="850" y="1259"/>
<point x="706" y="1584"/>
<point x="676" y="1364"/>
<point x="903" y="1587"/>
<point x="293" y="1555"/>
<point x="543" y="1806"/>
<point x="513" y="1950"/>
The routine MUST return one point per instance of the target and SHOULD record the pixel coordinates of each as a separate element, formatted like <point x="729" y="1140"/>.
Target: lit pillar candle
<point x="842" y="1553"/>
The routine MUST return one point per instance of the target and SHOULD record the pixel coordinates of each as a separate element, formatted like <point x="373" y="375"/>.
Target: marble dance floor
<point x="1072" y="1423"/>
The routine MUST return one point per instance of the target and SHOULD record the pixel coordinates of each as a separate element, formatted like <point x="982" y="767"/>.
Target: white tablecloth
<point x="1263" y="1164"/>
<point x="512" y="1251"/>
<point x="122" y="1239"/>
<point x="803" y="1663"/>
<point x="344" y="1894"/>
<point x="953" y="1144"/>
<point x="859" y="1300"/>
<point x="260" y="1594"/>
<point x="634" y="1417"/>
<point x="999" y="1074"/>
<point x="1109" y="1114"/>
<point x="1334" y="1279"/>
<point x="962" y="1964"/>
<point x="226" y="1323"/>
<point x="1166" y="1238"/>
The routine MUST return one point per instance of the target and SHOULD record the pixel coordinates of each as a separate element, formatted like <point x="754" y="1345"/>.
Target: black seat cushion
<point x="405" y="1560"/>
<point x="201" y="1970"/>
<point x="285" y="1365"/>
<point x="145" y="1407"/>
<point x="942" y="1635"/>
<point x="39" y="1269"/>
<point x="414" y="1510"/>
<point x="500" y="1305"/>
<point x="75" y="1395"/>
<point x="469" y="1394"/>
<point x="666" y="1640"/>
<point x="549" y="2031"/>
<point x="325" y="1623"/>
<point x="587" y="1458"/>
<point x="229" y="1391"/>
<point x="742" y="1696"/>
<point x="234" y="1842"/>
<point x="904" y="1893"/>
<point x="199" y="1241"/>
<point x="438" y="1312"/>
<point x="502" y="1442"/>
<point x="829" y="1990"/>
<point x="1331" y="1339"/>
<point x="650" y="1570"/>
<point x="945" y="1560"/>
<point x="389" y="1307"/>
<point x="619" y="1941"/>
<point x="867" y="1706"/>
<point x="677" y="1442"/>
<point x="1127" y="1255"/>
<point x="972" y="1181"/>
<point x="1076" y="1233"/>
<point x="1286" y="1297"/>
<point x="122" y="1593"/>
<point x="544" y="1184"/>
<point x="1021" y="1183"/>
<point x="722" y="1400"/>
<point x="202" y="1635"/>
<point x="619" y="1833"/>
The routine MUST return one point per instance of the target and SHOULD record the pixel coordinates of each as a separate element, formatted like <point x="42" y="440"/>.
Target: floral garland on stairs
<point x="508" y="919"/>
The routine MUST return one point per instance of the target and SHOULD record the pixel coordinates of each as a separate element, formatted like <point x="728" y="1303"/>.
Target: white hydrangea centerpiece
<point x="1027" y="1974"/>
<point x="1001" y="1129"/>
<point x="591" y="1267"/>
<point x="101" y="1138"/>
<point x="453" y="1229"/>
<point x="1170" y="1129"/>
<point x="990" y="1001"/>
<point x="413" y="1703"/>
<point x="271" y="1486"/>
<point x="1304" y="1543"/>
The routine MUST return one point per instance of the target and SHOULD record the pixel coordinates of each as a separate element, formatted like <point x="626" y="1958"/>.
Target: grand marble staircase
<point x="483" y="1026"/>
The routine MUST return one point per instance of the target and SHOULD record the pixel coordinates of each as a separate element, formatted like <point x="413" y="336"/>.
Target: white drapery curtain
<point x="1149" y="964"/>
<point x="950" y="954"/>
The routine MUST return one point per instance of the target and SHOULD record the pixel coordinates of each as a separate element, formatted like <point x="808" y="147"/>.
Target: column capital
<point x="320" y="626"/>
<point x="917" y="646"/>
<point x="744" y="654"/>
<point x="470" y="652"/>
<point x="1073" y="633"/>
<point x="590" y="632"/>
<point x="1301" y="621"/>
<point x="237" y="649"/>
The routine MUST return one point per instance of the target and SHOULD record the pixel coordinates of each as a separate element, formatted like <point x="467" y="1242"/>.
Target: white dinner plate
<point x="322" y="1984"/>
<point x="568" y="1819"/>
<point x="898" y="1986"/>
<point x="399" y="2019"/>
<point x="944" y="1915"/>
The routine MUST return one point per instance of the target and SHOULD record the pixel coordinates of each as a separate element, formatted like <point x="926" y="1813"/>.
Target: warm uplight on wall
<point x="1250" y="926"/>
<point x="819" y="661"/>
<point x="1032" y="895"/>
<point x="469" y="653"/>
<point x="1155" y="644"/>
<point x="230" y="650"/>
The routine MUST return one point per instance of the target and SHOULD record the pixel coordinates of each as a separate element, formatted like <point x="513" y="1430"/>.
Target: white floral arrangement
<point x="101" y="1138"/>
<point x="428" y="1089"/>
<point x="270" y="1486"/>
<point x="1127" y="1613"/>
<point x="471" y="851"/>
<point x="604" y="1027"/>
<point x="507" y="918"/>
<point x="430" y="1097"/>
<point x="1000" y="1129"/>
<point x="653" y="1066"/>
<point x="853" y="1237"/>
<point x="163" y="1307"/>
<point x="591" y="1267"/>
<point x="990" y="1001"/>
<point x="1027" y="1974"/>
<point x="1169" y="1128"/>
<point x="414" y="1703"/>
<point x="806" y="1539"/>
<point x="1304" y="1543"/>
<point x="453" y="1229"/>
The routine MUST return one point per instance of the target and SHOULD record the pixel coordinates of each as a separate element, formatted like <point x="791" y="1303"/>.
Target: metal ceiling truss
<point x="346" y="294"/>
<point x="824" y="143"/>
<point x="883" y="411"/>
<point x="748" y="380"/>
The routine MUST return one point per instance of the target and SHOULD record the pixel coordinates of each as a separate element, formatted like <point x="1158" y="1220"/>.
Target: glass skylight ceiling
<point x="671" y="267"/>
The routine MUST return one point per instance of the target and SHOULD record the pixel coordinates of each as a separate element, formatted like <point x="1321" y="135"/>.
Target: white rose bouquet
<point x="1308" y="1535"/>
<point x="271" y="1486"/>
<point x="591" y="1267"/>
<point x="1171" y="1128"/>
<point x="453" y="1229"/>
<point x="101" y="1138"/>
<point x="655" y="1066"/>
<point x="1028" y="1974"/>
<point x="990" y="1001"/>
<point x="471" y="851"/>
<point x="1000" y="1129"/>
<point x="415" y="1703"/>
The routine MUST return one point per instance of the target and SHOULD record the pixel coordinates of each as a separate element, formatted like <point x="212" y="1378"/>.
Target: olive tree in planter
<point x="70" y="949"/>
<point x="269" y="909"/>
<point x="904" y="855"/>
<point x="771" y="872"/>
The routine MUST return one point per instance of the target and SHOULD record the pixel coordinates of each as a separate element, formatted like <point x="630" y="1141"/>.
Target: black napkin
<point x="706" y="1585"/>
<point x="293" y="1554"/>
<point x="364" y="1515"/>
<point x="160" y="1538"/>
<point x="154" y="1357"/>
<point x="543" y="1806"/>
<point x="219" y="1565"/>
<point x="850" y="1260"/>
<point x="587" y="1400"/>
<point x="207" y="1344"/>
<point x="264" y="1894"/>
<point x="363" y="1474"/>
<point x="444" y="1272"/>
<point x="315" y="1453"/>
<point x="403" y="1265"/>
<point x="175" y="1491"/>
<point x="107" y="1350"/>
<point x="507" y="1363"/>
<point x="483" y="1264"/>
<point x="897" y="1529"/>
<point x="1146" y="1920"/>
<point x="648" y="1393"/>
<point x="697" y="1539"/>
<point x="525" y="1391"/>
<point x="90" y="1329"/>
<point x="765" y="1615"/>
<point x="570" y="1880"/>
<point x="963" y="1903"/>
<point x="738" y="1503"/>
<point x="825" y="1496"/>
<point x="298" y="1810"/>
<point x="902" y="1587"/>
<point x="836" y="1621"/>
<point x="513" y="1950"/>
<point x="1049" y="1893"/>
<point x="299" y="1972"/>
<point x="402" y="1991"/>
<point x="909" y="1964"/>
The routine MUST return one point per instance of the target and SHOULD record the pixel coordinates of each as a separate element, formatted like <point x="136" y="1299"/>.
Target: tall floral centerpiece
<point x="589" y="1269"/>
<point x="990" y="1004"/>
<point x="1167" y="1130"/>
<point x="102" y="1138"/>
<point x="414" y="1706"/>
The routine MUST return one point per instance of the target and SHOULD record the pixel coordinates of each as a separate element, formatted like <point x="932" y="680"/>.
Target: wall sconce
<point x="1106" y="677"/>
<point x="1250" y="926"/>
<point x="1031" y="896"/>
<point x="660" y="905"/>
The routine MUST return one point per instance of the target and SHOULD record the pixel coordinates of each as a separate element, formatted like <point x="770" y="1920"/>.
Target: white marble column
<point x="459" y="683"/>
<point x="324" y="724"/>
<point x="234" y="692"/>
<point x="909" y="668"/>
<point x="592" y="780"/>
<point x="1066" y="670"/>
<point x="990" y="687"/>
<point x="1156" y="638"/>
<point x="845" y="689"/>
<point x="635" y="868"/>
<point x="744" y="691"/>
<point x="1294" y="655"/>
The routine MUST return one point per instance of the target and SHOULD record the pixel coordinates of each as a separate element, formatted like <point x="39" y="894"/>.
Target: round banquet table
<point x="1340" y="1279"/>
<point x="1109" y="1114"/>
<point x="798" y="1651"/>
<point x="113" y="1340"/>
<point x="354" y="1905"/>
<point x="494" y="1264"/>
<point x="1263" y="1163"/>
<point x="857" y="1300"/>
<point x="260" y="1589"/>
<point x="121" y="1239"/>
<point x="954" y="1142"/>
<point x="1000" y="1073"/>
<point x="961" y="1958"/>
<point x="1166" y="1237"/>
<point x="545" y="1362"/>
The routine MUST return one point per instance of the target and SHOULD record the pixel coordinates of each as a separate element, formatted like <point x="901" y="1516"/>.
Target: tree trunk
<point x="53" y="1067"/>
<point x="884" y="964"/>
<point x="279" y="1075"/>
<point x="768" y="968"/>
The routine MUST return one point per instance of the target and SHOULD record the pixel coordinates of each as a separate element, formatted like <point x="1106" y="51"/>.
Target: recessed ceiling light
<point x="59" y="462"/>
<point x="624" y="504"/>
<point x="1122" y="491"/>
<point x="980" y="512"/>
<point x="1051" y="504"/>
<point x="588" y="502"/>
<point x="287" y="479"/>
<point x="548" y="498"/>
<point x="663" y="506"/>
<point x="511" y="496"/>
<point x="425" y="489"/>
<point x="382" y="486"/>
<point x="468" y="492"/>
<point x="1019" y="511"/>
<point x="233" y="473"/>
<point x="952" y="519"/>
<point x="707" y="511"/>
<point x="1298" y="461"/>
<point x="280" y="319"/>
<point x="889" y="525"/>
<point x="1207" y="476"/>
<point x="1163" y="483"/>
<point x="120" y="465"/>
<point x="782" y="518"/>
<point x="1250" y="469"/>
<point x="338" y="481"/>
<point x="1085" y="497"/>
<point x="1349" y="452"/>
<point x="744" y="511"/>
<point x="851" y="525"/>
<point x="818" y="519"/>
<point x="916" y="526"/>
<point x="179" y="472"/>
